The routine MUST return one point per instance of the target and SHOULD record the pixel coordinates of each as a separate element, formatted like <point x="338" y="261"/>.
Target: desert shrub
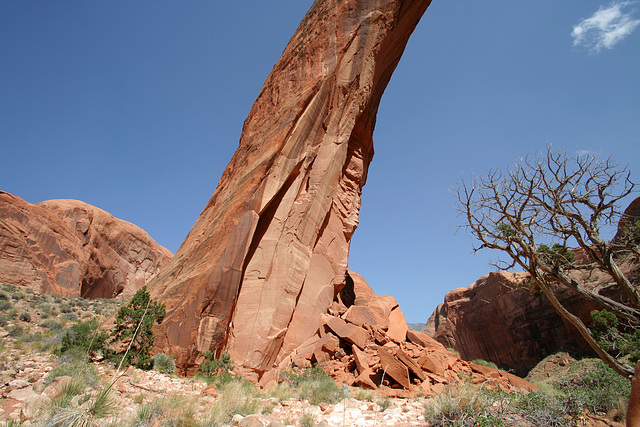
<point x="485" y="363"/>
<point x="3" y="320"/>
<point x="237" y="397"/>
<point x="75" y="366"/>
<point x="541" y="408"/>
<point x="5" y="305"/>
<point x="69" y="316"/>
<point x="218" y="371"/>
<point x="65" y="308"/>
<point x="133" y="335"/>
<point x="307" y="419"/>
<point x="25" y="316"/>
<point x="595" y="387"/>
<point x="164" y="363"/>
<point x="51" y="325"/>
<point x="85" y="337"/>
<point x="312" y="383"/>
<point x="461" y="406"/>
<point x="172" y="410"/>
<point x="384" y="404"/>
<point x="364" y="394"/>
<point x="16" y="331"/>
<point x="4" y="296"/>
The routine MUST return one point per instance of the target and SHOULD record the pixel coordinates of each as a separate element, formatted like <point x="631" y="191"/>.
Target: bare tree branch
<point x="546" y="203"/>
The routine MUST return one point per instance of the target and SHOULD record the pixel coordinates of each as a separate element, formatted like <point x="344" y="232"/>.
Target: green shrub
<point x="312" y="384"/>
<point x="25" y="316"/>
<point x="485" y="363"/>
<point x="164" y="363"/>
<point x="595" y="387"/>
<point x="16" y="331"/>
<point x="85" y="337"/>
<point x="133" y="325"/>
<point x="5" y="305"/>
<point x="218" y="371"/>
<point x="614" y="339"/>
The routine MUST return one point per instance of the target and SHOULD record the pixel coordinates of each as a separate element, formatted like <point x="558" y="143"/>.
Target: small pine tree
<point x="135" y="322"/>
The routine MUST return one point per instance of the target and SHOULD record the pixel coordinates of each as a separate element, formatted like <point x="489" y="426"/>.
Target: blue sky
<point x="136" y="107"/>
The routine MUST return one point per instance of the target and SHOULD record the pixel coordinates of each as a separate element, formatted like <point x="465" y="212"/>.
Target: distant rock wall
<point x="71" y="248"/>
<point x="490" y="320"/>
<point x="269" y="253"/>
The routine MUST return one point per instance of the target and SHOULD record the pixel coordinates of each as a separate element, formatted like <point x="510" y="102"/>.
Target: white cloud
<point x="606" y="27"/>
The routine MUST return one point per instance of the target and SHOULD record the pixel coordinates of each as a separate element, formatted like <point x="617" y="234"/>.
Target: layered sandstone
<point x="268" y="254"/>
<point x="71" y="248"/>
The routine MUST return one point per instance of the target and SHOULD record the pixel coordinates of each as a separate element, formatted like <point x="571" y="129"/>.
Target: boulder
<point x="351" y="333"/>
<point x="73" y="249"/>
<point x="55" y="388"/>
<point x="32" y="405"/>
<point x="394" y="368"/>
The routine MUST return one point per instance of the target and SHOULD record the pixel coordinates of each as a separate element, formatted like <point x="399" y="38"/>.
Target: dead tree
<point x="545" y="204"/>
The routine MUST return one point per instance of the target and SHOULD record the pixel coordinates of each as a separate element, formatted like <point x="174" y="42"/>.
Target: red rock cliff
<point x="71" y="248"/>
<point x="269" y="252"/>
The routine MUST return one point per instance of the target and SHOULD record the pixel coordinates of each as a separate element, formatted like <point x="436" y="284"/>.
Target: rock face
<point x="70" y="248"/>
<point x="490" y="320"/>
<point x="268" y="254"/>
<point x="628" y="219"/>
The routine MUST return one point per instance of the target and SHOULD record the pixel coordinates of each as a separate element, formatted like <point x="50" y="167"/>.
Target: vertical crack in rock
<point x="268" y="253"/>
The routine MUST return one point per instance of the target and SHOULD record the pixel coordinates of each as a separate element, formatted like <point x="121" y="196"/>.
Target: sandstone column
<point x="269" y="252"/>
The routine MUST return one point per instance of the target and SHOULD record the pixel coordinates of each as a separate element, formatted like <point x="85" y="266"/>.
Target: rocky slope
<point x="268" y="254"/>
<point x="71" y="248"/>
<point x="32" y="379"/>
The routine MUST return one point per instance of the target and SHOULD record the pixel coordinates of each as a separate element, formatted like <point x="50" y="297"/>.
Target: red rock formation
<point x="491" y="320"/>
<point x="628" y="219"/>
<point x="369" y="354"/>
<point x="70" y="248"/>
<point x="268" y="254"/>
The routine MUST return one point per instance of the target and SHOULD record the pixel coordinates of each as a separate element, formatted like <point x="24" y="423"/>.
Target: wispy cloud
<point x="606" y="27"/>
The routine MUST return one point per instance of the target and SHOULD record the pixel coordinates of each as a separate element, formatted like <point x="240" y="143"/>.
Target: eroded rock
<point x="269" y="252"/>
<point x="71" y="248"/>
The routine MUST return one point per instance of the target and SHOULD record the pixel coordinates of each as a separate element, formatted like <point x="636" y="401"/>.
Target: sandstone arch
<point x="270" y="250"/>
